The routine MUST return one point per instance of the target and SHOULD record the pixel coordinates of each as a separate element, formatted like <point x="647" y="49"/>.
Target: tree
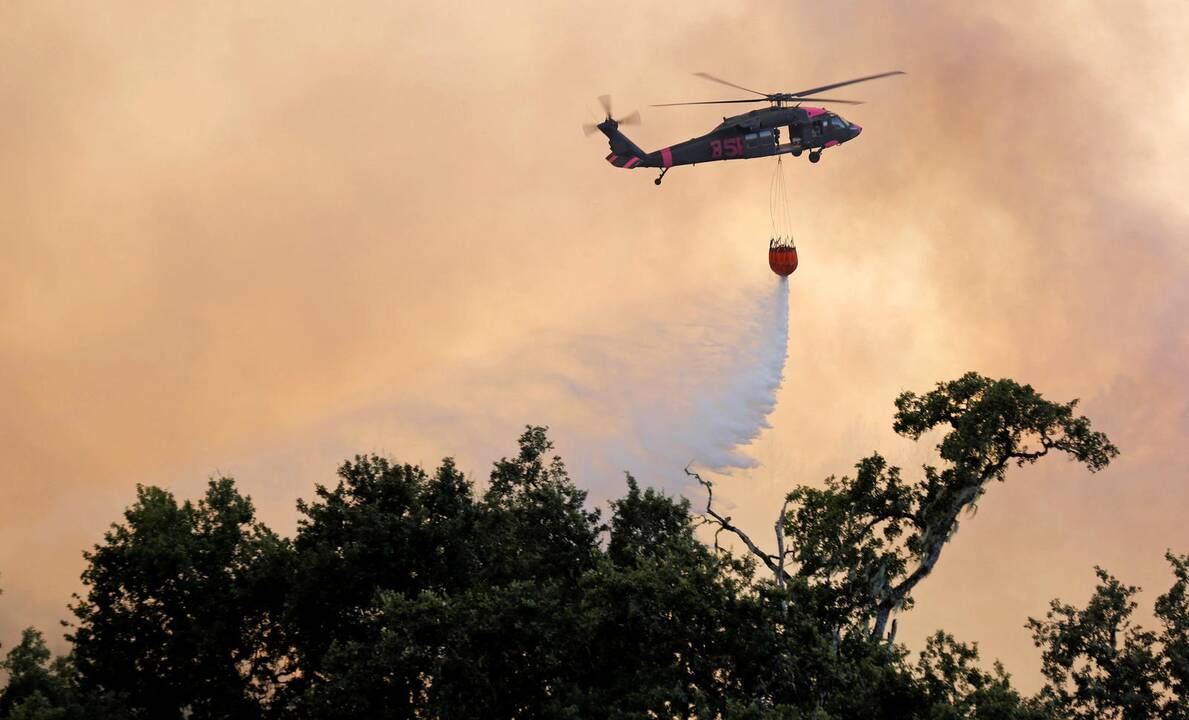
<point x="649" y="625"/>
<point x="1098" y="664"/>
<point x="406" y="593"/>
<point x="29" y="675"/>
<point x="384" y="528"/>
<point x="659" y="617"/>
<point x="537" y="516"/>
<point x="863" y="543"/>
<point x="178" y="605"/>
<point x="43" y="689"/>
<point x="956" y="688"/>
<point x="414" y="597"/>
<point x="1172" y="610"/>
<point x="647" y="523"/>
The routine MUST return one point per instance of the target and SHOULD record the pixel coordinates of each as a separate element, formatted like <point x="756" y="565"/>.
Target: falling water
<point x="646" y="397"/>
<point x="733" y="408"/>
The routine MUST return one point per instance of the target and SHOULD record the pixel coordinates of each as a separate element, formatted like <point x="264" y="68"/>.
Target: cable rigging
<point x="782" y="251"/>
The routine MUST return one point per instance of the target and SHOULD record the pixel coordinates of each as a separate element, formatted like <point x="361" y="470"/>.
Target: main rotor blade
<point x="589" y="129"/>
<point x="632" y="119"/>
<point x="605" y="101"/>
<point x="797" y="99"/>
<point x="711" y="102"/>
<point x="847" y="82"/>
<point x="827" y="100"/>
<point x="720" y="81"/>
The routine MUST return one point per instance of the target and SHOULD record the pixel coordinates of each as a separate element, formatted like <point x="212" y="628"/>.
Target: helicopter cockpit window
<point x="838" y="122"/>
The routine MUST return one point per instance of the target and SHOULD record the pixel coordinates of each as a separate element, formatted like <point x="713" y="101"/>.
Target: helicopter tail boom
<point x="624" y="152"/>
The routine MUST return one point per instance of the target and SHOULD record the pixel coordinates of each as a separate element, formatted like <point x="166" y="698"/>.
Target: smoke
<point x="259" y="248"/>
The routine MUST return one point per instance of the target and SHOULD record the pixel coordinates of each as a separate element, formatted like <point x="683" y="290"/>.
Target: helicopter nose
<point x="856" y="129"/>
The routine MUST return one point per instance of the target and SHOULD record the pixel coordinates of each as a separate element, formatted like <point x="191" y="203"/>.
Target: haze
<point x="257" y="239"/>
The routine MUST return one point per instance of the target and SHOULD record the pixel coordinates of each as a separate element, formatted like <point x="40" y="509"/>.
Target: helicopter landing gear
<point x="797" y="152"/>
<point x="661" y="176"/>
<point x="815" y="156"/>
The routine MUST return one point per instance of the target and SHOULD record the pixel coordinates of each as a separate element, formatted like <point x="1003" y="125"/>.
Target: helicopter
<point x="753" y="134"/>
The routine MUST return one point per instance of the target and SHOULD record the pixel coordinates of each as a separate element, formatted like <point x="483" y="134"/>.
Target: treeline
<point x="413" y="594"/>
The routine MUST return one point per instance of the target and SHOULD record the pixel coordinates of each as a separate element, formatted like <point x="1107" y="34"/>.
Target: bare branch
<point x="780" y="556"/>
<point x="724" y="523"/>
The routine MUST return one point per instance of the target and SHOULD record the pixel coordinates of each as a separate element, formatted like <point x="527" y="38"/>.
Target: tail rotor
<point x="632" y="118"/>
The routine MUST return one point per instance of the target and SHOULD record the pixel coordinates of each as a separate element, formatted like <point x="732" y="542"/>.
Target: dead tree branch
<point x="724" y="523"/>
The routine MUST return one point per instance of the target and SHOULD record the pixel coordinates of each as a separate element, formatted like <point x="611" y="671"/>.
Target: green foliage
<point x="1098" y="664"/>
<point x="537" y="516"/>
<point x="846" y="538"/>
<point x="995" y="422"/>
<point x="407" y="593"/>
<point x="545" y="623"/>
<point x="384" y="527"/>
<point x="644" y="524"/>
<point x="657" y="616"/>
<point x="956" y="688"/>
<point x="43" y="689"/>
<point x="864" y="543"/>
<point x="178" y="612"/>
<point x="28" y="672"/>
<point x="1172" y="610"/>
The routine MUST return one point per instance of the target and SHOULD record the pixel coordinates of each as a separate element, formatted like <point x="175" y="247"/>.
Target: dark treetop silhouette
<point x="414" y="594"/>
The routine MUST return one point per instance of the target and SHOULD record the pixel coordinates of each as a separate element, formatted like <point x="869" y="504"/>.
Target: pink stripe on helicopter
<point x="632" y="163"/>
<point x="832" y="143"/>
<point x="814" y="112"/>
<point x="667" y="157"/>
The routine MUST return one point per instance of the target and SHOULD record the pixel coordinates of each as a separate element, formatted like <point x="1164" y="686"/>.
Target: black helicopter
<point x="752" y="134"/>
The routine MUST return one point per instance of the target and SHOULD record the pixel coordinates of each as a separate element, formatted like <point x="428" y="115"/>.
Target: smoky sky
<point x="256" y="239"/>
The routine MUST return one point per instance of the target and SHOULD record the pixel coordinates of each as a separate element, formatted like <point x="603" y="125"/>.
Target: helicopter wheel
<point x="657" y="181"/>
<point x="797" y="152"/>
<point x="815" y="156"/>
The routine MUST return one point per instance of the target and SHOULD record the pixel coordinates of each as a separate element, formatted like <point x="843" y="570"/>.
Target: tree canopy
<point x="409" y="592"/>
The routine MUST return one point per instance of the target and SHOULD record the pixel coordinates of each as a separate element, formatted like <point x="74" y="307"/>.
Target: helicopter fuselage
<point x="752" y="134"/>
